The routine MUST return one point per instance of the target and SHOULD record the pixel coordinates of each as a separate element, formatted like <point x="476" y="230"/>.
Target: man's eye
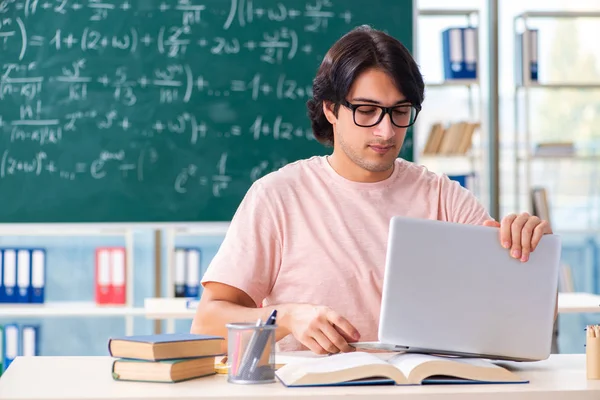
<point x="367" y="110"/>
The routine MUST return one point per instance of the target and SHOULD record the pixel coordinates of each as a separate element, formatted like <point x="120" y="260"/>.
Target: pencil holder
<point x="592" y="354"/>
<point x="251" y="353"/>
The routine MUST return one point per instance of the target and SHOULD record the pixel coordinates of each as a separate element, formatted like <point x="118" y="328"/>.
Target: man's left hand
<point x="521" y="233"/>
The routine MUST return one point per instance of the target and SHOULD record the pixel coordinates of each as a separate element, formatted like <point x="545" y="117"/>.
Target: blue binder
<point x="9" y="275"/>
<point x="23" y="276"/>
<point x="179" y="276"/>
<point x="38" y="275"/>
<point x="465" y="180"/>
<point x="192" y="284"/>
<point x="2" y="290"/>
<point x="522" y="70"/>
<point x="30" y="340"/>
<point x="452" y="47"/>
<point x="11" y="344"/>
<point x="470" y="52"/>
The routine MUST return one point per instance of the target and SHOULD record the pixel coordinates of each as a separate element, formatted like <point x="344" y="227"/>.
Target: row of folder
<point x="460" y="52"/>
<point x="23" y="275"/>
<point x="18" y="340"/>
<point x="187" y="272"/>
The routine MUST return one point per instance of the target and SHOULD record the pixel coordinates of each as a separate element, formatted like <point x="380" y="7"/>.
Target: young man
<point x="310" y="239"/>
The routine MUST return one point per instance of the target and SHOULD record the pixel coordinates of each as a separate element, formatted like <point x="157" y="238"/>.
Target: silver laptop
<point x="452" y="289"/>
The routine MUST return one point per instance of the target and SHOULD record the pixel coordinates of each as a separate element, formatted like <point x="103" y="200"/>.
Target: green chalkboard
<point x="128" y="111"/>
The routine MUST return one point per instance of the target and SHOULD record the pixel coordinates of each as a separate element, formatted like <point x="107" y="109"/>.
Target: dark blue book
<point x="170" y="346"/>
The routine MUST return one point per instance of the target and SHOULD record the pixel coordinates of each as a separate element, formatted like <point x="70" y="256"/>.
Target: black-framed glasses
<point x="368" y="115"/>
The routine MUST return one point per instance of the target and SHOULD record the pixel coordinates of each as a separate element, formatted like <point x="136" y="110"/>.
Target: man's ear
<point x="328" y="111"/>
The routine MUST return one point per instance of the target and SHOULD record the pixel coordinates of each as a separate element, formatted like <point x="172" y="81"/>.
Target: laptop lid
<point x="451" y="288"/>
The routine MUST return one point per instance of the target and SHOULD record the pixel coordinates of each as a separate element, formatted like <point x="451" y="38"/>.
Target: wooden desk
<point x="44" y="378"/>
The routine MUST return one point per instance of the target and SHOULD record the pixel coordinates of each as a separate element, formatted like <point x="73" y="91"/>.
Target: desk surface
<point x="578" y="303"/>
<point x="561" y="376"/>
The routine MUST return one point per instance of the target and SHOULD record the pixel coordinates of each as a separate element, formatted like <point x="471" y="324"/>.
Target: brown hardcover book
<point x="165" y="346"/>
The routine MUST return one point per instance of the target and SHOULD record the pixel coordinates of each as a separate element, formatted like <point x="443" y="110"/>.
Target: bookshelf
<point x="207" y="229"/>
<point x="469" y="162"/>
<point x="74" y="308"/>
<point x="525" y="153"/>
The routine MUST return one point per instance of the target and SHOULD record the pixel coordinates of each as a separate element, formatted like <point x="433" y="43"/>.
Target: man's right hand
<point x="319" y="328"/>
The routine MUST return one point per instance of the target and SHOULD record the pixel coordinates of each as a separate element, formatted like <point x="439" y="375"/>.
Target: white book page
<point x="407" y="362"/>
<point x="338" y="362"/>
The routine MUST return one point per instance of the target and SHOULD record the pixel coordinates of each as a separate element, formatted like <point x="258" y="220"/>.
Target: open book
<point x="359" y="368"/>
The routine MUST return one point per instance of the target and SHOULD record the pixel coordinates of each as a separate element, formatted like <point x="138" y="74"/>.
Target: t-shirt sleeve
<point x="460" y="205"/>
<point x="250" y="255"/>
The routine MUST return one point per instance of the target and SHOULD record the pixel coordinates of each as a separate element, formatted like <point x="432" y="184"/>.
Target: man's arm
<point x="319" y="328"/>
<point x="221" y="304"/>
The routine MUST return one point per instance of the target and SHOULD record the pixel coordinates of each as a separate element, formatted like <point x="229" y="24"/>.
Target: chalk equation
<point x="197" y="94"/>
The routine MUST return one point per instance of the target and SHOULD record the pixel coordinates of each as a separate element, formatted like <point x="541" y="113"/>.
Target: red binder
<point x="103" y="286"/>
<point x="111" y="281"/>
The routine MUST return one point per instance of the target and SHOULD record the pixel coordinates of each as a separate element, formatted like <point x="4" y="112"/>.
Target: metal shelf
<point x="577" y="157"/>
<point x="558" y="14"/>
<point x="447" y="12"/>
<point x="574" y="85"/>
<point x="202" y="229"/>
<point x="453" y="83"/>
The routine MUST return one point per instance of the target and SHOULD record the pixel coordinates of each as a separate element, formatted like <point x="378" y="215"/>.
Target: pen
<point x="246" y="357"/>
<point x="259" y="345"/>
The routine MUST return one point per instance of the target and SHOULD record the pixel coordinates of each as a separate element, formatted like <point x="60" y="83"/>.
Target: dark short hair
<point x="358" y="50"/>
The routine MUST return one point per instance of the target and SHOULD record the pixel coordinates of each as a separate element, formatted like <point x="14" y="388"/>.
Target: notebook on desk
<point x="451" y="288"/>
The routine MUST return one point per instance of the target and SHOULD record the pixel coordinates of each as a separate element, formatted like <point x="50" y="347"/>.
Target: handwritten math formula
<point x="206" y="93"/>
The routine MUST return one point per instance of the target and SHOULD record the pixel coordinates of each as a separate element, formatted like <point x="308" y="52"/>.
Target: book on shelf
<point x="549" y="149"/>
<point x="165" y="346"/>
<point x="456" y="139"/>
<point x="362" y="368"/>
<point x="170" y="371"/>
<point x="565" y="279"/>
<point x="540" y="203"/>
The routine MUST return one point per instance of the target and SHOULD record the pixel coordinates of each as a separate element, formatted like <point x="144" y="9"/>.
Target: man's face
<point x="373" y="149"/>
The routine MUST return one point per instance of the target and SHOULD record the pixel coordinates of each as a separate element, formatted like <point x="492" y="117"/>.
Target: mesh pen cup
<point x="251" y="353"/>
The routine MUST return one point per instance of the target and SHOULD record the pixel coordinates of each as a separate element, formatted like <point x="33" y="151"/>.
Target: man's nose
<point x="385" y="128"/>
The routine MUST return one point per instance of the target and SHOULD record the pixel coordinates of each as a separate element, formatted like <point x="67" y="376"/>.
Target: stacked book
<point x="164" y="358"/>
